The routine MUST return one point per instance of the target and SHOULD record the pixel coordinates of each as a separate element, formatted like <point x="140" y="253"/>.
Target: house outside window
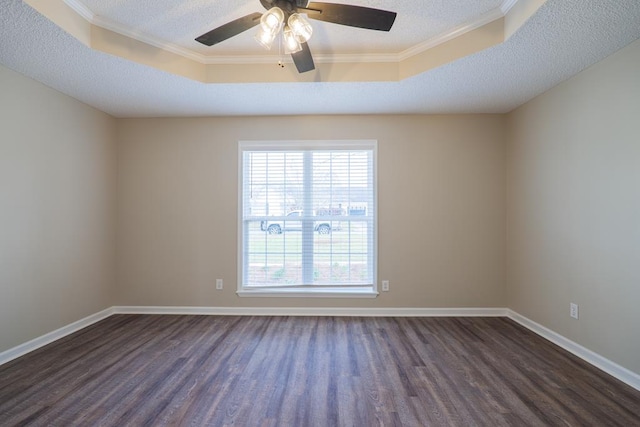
<point x="308" y="223"/>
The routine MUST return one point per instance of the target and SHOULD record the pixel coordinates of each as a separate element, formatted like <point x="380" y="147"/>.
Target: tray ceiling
<point x="558" y="39"/>
<point x="179" y="23"/>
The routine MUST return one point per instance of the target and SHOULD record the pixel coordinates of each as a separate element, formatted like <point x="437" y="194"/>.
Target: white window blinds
<point x="308" y="214"/>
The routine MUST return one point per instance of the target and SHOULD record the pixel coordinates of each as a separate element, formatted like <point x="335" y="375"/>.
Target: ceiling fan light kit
<point x="297" y="31"/>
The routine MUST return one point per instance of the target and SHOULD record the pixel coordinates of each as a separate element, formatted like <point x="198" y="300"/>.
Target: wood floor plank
<point x="151" y="370"/>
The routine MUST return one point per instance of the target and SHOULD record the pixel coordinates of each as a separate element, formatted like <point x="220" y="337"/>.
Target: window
<point x="307" y="218"/>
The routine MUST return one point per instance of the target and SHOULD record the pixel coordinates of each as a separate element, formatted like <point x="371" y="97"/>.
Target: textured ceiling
<point x="561" y="39"/>
<point x="181" y="22"/>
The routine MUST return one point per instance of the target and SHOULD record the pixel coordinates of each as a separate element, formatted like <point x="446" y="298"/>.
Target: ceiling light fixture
<point x="288" y="19"/>
<point x="296" y="31"/>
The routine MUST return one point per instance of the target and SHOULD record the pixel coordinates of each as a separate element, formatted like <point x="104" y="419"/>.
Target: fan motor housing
<point x="288" y="6"/>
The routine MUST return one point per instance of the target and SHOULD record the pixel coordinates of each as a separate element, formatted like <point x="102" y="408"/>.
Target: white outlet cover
<point x="573" y="310"/>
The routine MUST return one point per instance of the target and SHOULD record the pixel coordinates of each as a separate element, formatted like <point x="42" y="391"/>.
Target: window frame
<point x="325" y="291"/>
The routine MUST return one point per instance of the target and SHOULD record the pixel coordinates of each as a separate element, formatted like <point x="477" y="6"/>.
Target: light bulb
<point x="291" y="43"/>
<point x="272" y="19"/>
<point x="301" y="27"/>
<point x="265" y="38"/>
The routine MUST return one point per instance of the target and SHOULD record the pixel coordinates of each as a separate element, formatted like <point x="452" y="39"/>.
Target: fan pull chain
<point x="280" y="41"/>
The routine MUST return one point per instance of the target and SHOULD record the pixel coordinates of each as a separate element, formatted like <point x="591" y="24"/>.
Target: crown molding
<point x="107" y="24"/>
<point x="456" y="32"/>
<point x="507" y="5"/>
<point x="146" y="38"/>
<point x="81" y="9"/>
<point x="317" y="58"/>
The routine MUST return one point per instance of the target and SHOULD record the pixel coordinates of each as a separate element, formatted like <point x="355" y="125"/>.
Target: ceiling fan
<point x="286" y="16"/>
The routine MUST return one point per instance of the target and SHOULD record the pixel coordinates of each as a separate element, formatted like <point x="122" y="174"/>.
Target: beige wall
<point x="574" y="208"/>
<point x="570" y="160"/>
<point x="441" y="207"/>
<point x="57" y="210"/>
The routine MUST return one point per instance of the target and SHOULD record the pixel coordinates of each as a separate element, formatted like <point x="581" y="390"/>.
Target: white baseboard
<point x="316" y="311"/>
<point x="41" y="341"/>
<point x="50" y="337"/>
<point x="606" y="365"/>
<point x="619" y="372"/>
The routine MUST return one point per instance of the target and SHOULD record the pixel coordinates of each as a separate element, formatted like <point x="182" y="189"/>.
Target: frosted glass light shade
<point x="301" y="27"/>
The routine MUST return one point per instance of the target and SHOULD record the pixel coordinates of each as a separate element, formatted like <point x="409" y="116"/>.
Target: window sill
<point x="309" y="293"/>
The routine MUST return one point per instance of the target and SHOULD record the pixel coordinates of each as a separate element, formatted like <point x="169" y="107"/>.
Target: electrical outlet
<point x="573" y="310"/>
<point x="385" y="286"/>
<point x="218" y="284"/>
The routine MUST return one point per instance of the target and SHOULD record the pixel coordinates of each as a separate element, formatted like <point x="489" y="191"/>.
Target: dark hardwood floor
<point x="141" y="370"/>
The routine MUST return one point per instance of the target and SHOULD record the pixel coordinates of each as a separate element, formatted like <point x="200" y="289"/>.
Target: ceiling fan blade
<point x="303" y="59"/>
<point x="230" y="29"/>
<point x="353" y="16"/>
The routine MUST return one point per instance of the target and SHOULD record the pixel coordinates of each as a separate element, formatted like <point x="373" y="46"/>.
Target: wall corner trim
<point x="41" y="341"/>
<point x="600" y="362"/>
